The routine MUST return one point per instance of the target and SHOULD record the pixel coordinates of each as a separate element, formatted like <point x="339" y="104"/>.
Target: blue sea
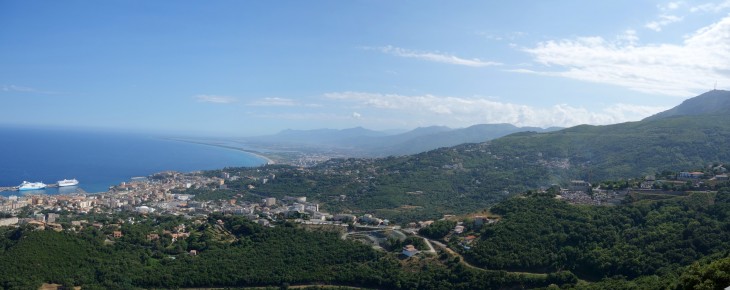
<point x="101" y="159"/>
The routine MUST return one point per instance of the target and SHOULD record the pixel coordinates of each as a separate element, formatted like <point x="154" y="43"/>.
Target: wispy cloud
<point x="22" y="89"/>
<point x="711" y="7"/>
<point x="215" y="99"/>
<point x="668" y="69"/>
<point x="299" y="116"/>
<point x="667" y="16"/>
<point x="281" y="102"/>
<point x="460" y="112"/>
<point x="274" y="102"/>
<point x="670" y="6"/>
<point x="664" y="20"/>
<point x="433" y="56"/>
<point x="511" y="36"/>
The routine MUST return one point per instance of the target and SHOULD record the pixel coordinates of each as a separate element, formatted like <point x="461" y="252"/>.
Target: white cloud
<point x="319" y="116"/>
<point x="684" y="69"/>
<point x="21" y="89"/>
<point x="434" y="56"/>
<point x="461" y="112"/>
<point x="14" y="88"/>
<point x="663" y="20"/>
<point x="711" y="7"/>
<point x="274" y="102"/>
<point x="629" y="37"/>
<point x="671" y="6"/>
<point x="281" y="102"/>
<point x="215" y="99"/>
<point x="356" y="115"/>
<point x="503" y="36"/>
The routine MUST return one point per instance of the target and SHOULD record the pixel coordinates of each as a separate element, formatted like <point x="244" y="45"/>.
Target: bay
<point x="101" y="159"/>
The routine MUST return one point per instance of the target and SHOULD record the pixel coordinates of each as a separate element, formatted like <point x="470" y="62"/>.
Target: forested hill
<point x="628" y="149"/>
<point x="688" y="136"/>
<point x="714" y="102"/>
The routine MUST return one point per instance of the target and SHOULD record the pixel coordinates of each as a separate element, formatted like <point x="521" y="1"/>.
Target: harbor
<point x="28" y="186"/>
<point x="15" y="188"/>
<point x="54" y="186"/>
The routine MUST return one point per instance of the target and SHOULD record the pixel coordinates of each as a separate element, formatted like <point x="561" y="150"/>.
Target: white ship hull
<point x="67" y="182"/>
<point x="31" y="186"/>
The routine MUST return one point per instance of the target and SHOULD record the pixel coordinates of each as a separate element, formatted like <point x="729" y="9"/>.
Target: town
<point x="168" y="193"/>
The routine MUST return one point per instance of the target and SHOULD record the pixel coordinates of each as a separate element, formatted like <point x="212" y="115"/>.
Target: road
<point x="428" y="243"/>
<point x="465" y="263"/>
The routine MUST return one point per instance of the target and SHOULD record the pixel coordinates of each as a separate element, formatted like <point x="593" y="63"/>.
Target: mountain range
<point x="361" y="142"/>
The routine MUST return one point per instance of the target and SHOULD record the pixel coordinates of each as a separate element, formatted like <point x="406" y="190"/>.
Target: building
<point x="9" y="221"/>
<point x="40" y="217"/>
<point x="343" y="217"/>
<point x="458" y="229"/>
<point x="144" y="209"/>
<point x="579" y="185"/>
<point x="51" y="217"/>
<point x="409" y="251"/>
<point x="690" y="175"/>
<point x="153" y="237"/>
<point x="270" y="201"/>
<point x="117" y="234"/>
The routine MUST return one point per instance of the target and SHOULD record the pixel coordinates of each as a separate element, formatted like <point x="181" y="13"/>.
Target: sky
<point x="243" y="68"/>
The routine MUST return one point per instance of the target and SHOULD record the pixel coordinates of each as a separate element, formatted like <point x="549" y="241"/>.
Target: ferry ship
<point x="68" y="182"/>
<point x="31" y="185"/>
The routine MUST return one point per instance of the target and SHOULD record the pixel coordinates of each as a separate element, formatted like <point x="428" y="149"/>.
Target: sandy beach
<point x="254" y="153"/>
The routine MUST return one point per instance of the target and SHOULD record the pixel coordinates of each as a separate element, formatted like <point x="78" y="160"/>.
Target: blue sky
<point x="238" y="68"/>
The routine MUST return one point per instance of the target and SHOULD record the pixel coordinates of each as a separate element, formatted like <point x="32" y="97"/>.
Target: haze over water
<point x="99" y="160"/>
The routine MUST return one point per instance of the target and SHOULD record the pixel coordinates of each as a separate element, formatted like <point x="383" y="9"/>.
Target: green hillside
<point x="274" y="258"/>
<point x="714" y="102"/>
<point x="628" y="149"/>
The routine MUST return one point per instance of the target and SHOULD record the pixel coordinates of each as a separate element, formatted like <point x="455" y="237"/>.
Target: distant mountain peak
<point x="710" y="103"/>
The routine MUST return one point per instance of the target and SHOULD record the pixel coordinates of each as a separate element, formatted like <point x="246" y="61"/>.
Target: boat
<point x="68" y="182"/>
<point x="31" y="185"/>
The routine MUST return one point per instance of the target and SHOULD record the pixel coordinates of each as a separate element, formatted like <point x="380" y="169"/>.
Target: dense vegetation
<point x="438" y="229"/>
<point x="541" y="234"/>
<point x="679" y="243"/>
<point x="627" y="149"/>
<point x="230" y="253"/>
<point x="423" y="186"/>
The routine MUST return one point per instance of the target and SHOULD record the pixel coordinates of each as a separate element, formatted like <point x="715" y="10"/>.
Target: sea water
<point x="101" y="159"/>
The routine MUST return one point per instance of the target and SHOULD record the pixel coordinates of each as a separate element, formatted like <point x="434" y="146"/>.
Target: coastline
<point x="254" y="153"/>
<point x="268" y="160"/>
